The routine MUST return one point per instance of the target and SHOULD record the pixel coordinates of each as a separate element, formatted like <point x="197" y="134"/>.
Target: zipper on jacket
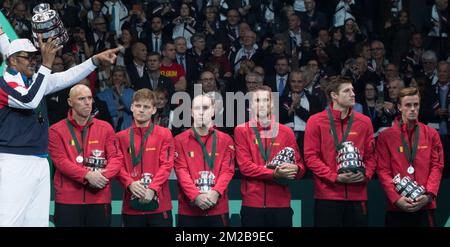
<point x="342" y="131"/>
<point x="61" y="180"/>
<point x="265" y="197"/>
<point x="346" y="191"/>
<point x="410" y="135"/>
<point x="84" y="195"/>
<point x="142" y="157"/>
<point x="245" y="184"/>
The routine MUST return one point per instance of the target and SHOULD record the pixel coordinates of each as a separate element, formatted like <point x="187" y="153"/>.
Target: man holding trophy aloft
<point x="339" y="150"/>
<point x="268" y="156"/>
<point x="25" y="182"/>
<point x="410" y="163"/>
<point x="204" y="167"/>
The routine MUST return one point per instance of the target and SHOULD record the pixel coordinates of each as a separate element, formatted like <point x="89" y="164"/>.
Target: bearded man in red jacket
<point x="204" y="167"/>
<point x="340" y="186"/>
<point x="410" y="149"/>
<point x="148" y="151"/>
<point x="266" y="199"/>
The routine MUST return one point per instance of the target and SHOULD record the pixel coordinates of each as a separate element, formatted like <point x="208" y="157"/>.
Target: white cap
<point x="21" y="45"/>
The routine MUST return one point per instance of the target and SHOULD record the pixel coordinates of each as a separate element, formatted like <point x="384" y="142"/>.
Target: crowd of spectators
<point x="293" y="46"/>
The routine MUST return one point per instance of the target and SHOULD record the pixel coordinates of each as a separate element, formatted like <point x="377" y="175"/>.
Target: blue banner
<point x="9" y="30"/>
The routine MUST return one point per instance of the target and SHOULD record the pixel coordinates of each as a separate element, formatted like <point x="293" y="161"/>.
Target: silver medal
<point x="133" y="173"/>
<point x="410" y="169"/>
<point x="79" y="159"/>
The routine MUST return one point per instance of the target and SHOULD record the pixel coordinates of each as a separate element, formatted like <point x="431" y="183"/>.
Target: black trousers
<point x="334" y="213"/>
<point x="78" y="215"/>
<point x="163" y="219"/>
<point x="421" y="218"/>
<point x="445" y="140"/>
<point x="203" y="221"/>
<point x="266" y="217"/>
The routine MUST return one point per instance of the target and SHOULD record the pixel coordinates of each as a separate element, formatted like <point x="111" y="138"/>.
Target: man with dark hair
<point x="414" y="150"/>
<point x="148" y="151"/>
<point x="266" y="197"/>
<point x="156" y="37"/>
<point x="279" y="81"/>
<point x="340" y="195"/>
<point x="156" y="80"/>
<point x="169" y="68"/>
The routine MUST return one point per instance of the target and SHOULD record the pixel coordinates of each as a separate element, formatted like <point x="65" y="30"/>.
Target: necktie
<point x="156" y="48"/>
<point x="281" y="86"/>
<point x="293" y="41"/>
<point x="248" y="54"/>
<point x="181" y="58"/>
<point x="113" y="18"/>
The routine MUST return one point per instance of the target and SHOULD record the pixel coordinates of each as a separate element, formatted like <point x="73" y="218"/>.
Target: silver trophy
<point x="349" y="158"/>
<point x="46" y="22"/>
<point x="206" y="181"/>
<point x="407" y="187"/>
<point x="96" y="161"/>
<point x="135" y="203"/>
<point x="286" y="155"/>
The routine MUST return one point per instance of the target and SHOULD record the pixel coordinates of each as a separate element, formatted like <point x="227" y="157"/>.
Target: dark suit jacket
<point x="136" y="81"/>
<point x="257" y="57"/>
<point x="272" y="83"/>
<point x="302" y="113"/>
<point x="287" y="39"/>
<point x="149" y="41"/>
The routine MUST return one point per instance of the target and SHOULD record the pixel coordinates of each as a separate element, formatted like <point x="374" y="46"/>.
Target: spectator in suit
<point x="185" y="60"/>
<point x="101" y="38"/>
<point x="156" y="79"/>
<point x="312" y="20"/>
<point x="295" y="36"/>
<point x="229" y="30"/>
<point x="171" y="69"/>
<point x="249" y="51"/>
<point x="442" y="106"/>
<point x="297" y="106"/>
<point x="137" y="70"/>
<point x="272" y="49"/>
<point x="429" y="65"/>
<point x="155" y="36"/>
<point x="198" y="54"/>
<point x="279" y="81"/>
